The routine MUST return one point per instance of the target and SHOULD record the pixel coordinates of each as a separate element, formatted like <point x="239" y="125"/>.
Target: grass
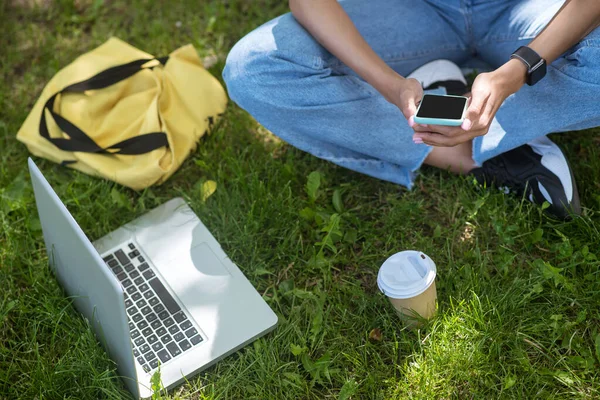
<point x="519" y="293"/>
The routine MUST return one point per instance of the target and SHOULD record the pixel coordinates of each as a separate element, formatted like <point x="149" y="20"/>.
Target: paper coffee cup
<point x="408" y="280"/>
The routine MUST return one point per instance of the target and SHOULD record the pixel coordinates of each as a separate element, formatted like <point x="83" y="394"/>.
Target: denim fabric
<point x="307" y="97"/>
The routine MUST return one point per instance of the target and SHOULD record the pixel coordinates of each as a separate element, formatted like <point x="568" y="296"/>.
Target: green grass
<point x="519" y="293"/>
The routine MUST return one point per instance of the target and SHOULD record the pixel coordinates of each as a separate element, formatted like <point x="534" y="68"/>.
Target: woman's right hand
<point x="406" y="94"/>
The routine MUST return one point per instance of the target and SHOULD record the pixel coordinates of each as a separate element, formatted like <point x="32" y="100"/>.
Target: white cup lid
<point x="406" y="274"/>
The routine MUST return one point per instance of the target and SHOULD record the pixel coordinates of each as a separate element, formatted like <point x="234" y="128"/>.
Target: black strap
<point x="79" y="140"/>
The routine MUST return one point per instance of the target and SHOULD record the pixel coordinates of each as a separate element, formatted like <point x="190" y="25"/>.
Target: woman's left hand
<point x="488" y="92"/>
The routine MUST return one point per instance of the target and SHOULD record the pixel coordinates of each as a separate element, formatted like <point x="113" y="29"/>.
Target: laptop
<point x="159" y="292"/>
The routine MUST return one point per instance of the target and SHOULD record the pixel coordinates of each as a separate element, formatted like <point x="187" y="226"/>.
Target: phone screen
<point x="446" y="107"/>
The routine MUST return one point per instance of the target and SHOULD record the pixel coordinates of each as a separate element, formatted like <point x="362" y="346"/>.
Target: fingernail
<point x="466" y="125"/>
<point x="411" y="121"/>
<point x="417" y="140"/>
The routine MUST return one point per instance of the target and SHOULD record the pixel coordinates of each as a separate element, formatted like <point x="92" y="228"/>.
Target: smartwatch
<point x="536" y="65"/>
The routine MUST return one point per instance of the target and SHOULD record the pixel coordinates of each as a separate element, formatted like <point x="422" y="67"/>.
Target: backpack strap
<point x="78" y="139"/>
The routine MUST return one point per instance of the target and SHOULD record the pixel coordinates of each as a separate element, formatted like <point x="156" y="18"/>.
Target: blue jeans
<point x="306" y="96"/>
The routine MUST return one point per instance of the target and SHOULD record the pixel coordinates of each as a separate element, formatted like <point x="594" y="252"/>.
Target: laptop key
<point x="163" y="315"/>
<point x="144" y="349"/>
<point x="147" y="331"/>
<point x="128" y="303"/>
<point x="191" y="332"/>
<point x="168" y="322"/>
<point x="136" y="296"/>
<point x="132" y="310"/>
<point x="179" y="336"/>
<point x="141" y="259"/>
<point x="157" y="346"/>
<point x="134" y="254"/>
<point x="139" y="341"/>
<point x="134" y="274"/>
<point x="131" y="246"/>
<point x="141" y="303"/>
<point x="152" y="339"/>
<point x="117" y="270"/>
<point x="128" y="267"/>
<point x="149" y="356"/>
<point x="156" y="324"/>
<point x="131" y="326"/>
<point x="166" y="339"/>
<point x="159" y="308"/>
<point x="174" y="329"/>
<point x="146" y="310"/>
<point x="142" y="324"/>
<point x="165" y="296"/>
<point x="136" y="353"/>
<point x="153" y="301"/>
<point x="148" y="294"/>
<point x="139" y="281"/>
<point x="137" y="317"/>
<point x="135" y="333"/>
<point x="164" y="356"/>
<point x="122" y="276"/>
<point x="173" y="349"/>
<point x="185" y="345"/>
<point x="180" y="317"/>
<point x="196" y="339"/>
<point x="122" y="257"/>
<point x="127" y="283"/>
<point x="143" y="288"/>
<point x="146" y="368"/>
<point x="186" y="325"/>
<point x="154" y="363"/>
<point x="113" y="263"/>
<point x="161" y="331"/>
<point x="132" y="290"/>
<point x="151" y="317"/>
<point x="149" y="274"/>
<point x="108" y="258"/>
<point x="143" y="267"/>
<point x="141" y="360"/>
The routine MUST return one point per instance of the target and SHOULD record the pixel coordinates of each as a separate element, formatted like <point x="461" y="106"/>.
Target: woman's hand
<point x="405" y="94"/>
<point x="487" y="95"/>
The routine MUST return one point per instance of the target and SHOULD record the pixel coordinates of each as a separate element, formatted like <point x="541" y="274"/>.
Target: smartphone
<point x="436" y="109"/>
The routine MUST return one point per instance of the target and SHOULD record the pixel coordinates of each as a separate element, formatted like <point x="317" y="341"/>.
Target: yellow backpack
<point x="122" y="114"/>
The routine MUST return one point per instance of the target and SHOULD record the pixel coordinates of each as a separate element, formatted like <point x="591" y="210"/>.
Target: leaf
<point x="337" y="201"/>
<point x="312" y="185"/>
<point x="262" y="271"/>
<point x="202" y="164"/>
<point x="316" y="325"/>
<point x="208" y="188"/>
<point x="297" y="350"/>
<point x="350" y="236"/>
<point x="509" y="381"/>
<point x="349" y="389"/>
<point x="437" y="232"/>
<point x="545" y="205"/>
<point x="307" y="213"/>
<point x="119" y="198"/>
<point x="375" y="335"/>
<point x="537" y="235"/>
<point x="597" y="343"/>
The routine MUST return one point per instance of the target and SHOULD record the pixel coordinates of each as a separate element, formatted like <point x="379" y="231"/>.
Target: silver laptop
<point x="159" y="291"/>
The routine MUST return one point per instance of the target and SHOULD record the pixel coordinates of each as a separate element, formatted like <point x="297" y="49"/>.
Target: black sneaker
<point x="441" y="73"/>
<point x="540" y="171"/>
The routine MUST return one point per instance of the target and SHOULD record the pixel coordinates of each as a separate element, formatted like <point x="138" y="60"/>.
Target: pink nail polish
<point x="411" y="121"/>
<point x="418" y="140"/>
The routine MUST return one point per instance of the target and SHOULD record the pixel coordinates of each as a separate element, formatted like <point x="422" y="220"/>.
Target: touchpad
<point x="206" y="262"/>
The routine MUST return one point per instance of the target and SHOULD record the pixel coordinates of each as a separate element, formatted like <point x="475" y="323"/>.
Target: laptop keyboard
<point x="160" y="330"/>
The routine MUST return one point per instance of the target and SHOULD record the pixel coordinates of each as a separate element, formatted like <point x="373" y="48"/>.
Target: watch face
<point x="537" y="73"/>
